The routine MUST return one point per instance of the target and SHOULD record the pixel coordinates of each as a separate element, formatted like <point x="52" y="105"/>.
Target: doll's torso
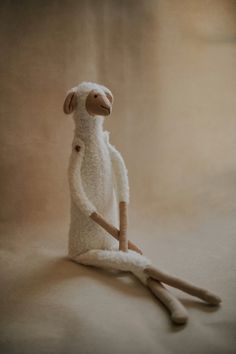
<point x="97" y="181"/>
<point x="96" y="172"/>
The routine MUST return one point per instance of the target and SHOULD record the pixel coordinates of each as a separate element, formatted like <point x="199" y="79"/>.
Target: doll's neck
<point x="88" y="127"/>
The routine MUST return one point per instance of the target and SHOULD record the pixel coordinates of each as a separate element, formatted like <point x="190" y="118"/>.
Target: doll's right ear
<point x="70" y="102"/>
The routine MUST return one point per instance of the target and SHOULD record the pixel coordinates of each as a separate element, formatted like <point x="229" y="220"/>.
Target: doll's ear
<point x="70" y="102"/>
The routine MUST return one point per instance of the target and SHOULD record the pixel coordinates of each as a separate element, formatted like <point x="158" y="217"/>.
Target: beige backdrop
<point x="171" y="66"/>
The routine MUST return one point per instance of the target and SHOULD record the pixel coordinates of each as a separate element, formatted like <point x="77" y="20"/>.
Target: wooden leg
<point x="183" y="285"/>
<point x="178" y="313"/>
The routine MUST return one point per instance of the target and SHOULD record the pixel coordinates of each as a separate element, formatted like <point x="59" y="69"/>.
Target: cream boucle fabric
<point x="126" y="261"/>
<point x="98" y="181"/>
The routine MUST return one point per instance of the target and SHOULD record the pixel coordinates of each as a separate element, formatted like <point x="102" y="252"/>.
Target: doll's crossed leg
<point x="183" y="285"/>
<point x="125" y="261"/>
<point x="135" y="263"/>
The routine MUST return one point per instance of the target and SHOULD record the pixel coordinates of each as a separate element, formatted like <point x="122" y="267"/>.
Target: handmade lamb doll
<point x="99" y="197"/>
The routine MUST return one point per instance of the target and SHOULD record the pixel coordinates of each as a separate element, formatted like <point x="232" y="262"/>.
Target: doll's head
<point x="89" y="99"/>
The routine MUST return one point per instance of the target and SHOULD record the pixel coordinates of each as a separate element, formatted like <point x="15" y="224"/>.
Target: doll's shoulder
<point x="106" y="136"/>
<point x="114" y="152"/>
<point x="77" y="145"/>
<point x="77" y="153"/>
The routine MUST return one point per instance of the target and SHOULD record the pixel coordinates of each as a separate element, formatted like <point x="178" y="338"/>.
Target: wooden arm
<point x="123" y="240"/>
<point x="112" y="230"/>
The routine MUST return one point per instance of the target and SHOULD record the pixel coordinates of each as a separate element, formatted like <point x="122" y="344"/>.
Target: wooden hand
<point x="134" y="248"/>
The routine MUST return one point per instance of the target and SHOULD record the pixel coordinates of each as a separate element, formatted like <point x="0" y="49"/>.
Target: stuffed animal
<point x="99" y="190"/>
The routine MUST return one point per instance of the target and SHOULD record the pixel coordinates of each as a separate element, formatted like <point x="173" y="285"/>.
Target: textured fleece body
<point x="96" y="178"/>
<point x="126" y="261"/>
<point x="98" y="182"/>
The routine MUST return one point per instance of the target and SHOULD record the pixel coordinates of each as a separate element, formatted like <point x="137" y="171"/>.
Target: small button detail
<point x="77" y="148"/>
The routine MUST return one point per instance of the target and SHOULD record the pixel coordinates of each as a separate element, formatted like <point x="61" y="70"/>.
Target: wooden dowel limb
<point x="134" y="248"/>
<point x="183" y="285"/>
<point x="178" y="313"/>
<point x="112" y="230"/>
<point x="123" y="227"/>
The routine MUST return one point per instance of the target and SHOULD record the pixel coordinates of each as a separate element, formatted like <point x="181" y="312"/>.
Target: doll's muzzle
<point x="98" y="104"/>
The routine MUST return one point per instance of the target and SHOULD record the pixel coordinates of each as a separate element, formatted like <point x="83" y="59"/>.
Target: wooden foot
<point x="178" y="313"/>
<point x="183" y="285"/>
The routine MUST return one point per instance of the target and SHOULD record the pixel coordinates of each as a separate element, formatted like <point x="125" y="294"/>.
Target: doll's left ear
<point x="70" y="102"/>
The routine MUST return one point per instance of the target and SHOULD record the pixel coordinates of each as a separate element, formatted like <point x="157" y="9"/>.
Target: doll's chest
<point x="96" y="169"/>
